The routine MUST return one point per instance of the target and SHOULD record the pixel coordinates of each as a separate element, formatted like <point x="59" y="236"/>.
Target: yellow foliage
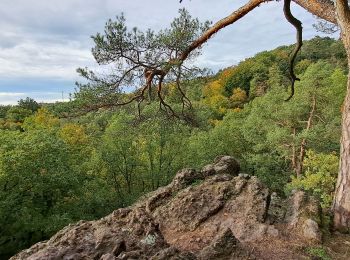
<point x="222" y="110"/>
<point x="4" y="124"/>
<point x="226" y="74"/>
<point x="214" y="94"/>
<point x="41" y="119"/>
<point x="172" y="89"/>
<point x="215" y="98"/>
<point x="213" y="88"/>
<point x="237" y="109"/>
<point x="214" y="122"/>
<point x="73" y="134"/>
<point x="239" y="95"/>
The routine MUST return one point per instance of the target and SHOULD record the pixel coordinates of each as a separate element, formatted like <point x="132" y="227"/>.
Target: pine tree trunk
<point x="341" y="203"/>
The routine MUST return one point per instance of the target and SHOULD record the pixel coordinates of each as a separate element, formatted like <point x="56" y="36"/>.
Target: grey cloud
<point x="52" y="38"/>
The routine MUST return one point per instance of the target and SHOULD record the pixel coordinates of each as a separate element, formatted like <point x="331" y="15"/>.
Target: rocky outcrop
<point x="215" y="213"/>
<point x="303" y="216"/>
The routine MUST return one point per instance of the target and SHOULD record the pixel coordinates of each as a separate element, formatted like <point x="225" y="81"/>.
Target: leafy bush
<point x="319" y="177"/>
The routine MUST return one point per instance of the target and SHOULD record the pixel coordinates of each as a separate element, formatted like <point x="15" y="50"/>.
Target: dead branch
<point x="184" y="99"/>
<point x="162" y="104"/>
<point x="298" y="26"/>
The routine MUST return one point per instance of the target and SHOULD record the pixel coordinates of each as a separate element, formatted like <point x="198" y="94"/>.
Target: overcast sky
<point x="42" y="42"/>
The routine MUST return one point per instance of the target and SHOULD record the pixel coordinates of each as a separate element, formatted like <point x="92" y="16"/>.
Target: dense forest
<point x="59" y="166"/>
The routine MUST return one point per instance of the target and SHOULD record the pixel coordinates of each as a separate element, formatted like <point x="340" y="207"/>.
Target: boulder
<point x="222" y="165"/>
<point x="184" y="178"/>
<point x="304" y="217"/>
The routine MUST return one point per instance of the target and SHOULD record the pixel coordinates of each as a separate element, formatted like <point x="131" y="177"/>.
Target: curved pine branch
<point x="298" y="26"/>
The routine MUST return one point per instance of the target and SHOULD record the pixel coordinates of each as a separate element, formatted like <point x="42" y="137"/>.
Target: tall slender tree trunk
<point x="294" y="153"/>
<point x="300" y="161"/>
<point x="341" y="203"/>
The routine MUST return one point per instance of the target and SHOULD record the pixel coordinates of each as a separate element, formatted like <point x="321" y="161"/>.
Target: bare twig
<point x="162" y="103"/>
<point x="184" y="99"/>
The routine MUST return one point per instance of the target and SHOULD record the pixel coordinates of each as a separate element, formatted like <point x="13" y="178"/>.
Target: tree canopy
<point x="140" y="61"/>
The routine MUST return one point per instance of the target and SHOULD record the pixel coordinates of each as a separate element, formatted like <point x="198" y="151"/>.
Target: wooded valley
<point x="58" y="166"/>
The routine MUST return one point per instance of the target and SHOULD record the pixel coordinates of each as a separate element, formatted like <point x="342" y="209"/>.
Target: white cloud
<point x="12" y="98"/>
<point x="9" y="94"/>
<point x="34" y="59"/>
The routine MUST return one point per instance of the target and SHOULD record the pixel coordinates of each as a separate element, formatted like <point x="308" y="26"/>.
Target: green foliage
<point x="29" y="104"/>
<point x="38" y="188"/>
<point x="3" y="111"/>
<point x="266" y="135"/>
<point x="119" y="153"/>
<point x="318" y="252"/>
<point x="17" y="114"/>
<point x="324" y="49"/>
<point x="43" y="184"/>
<point x="240" y="78"/>
<point x="139" y="156"/>
<point x="132" y="52"/>
<point x="319" y="177"/>
<point x="42" y="119"/>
